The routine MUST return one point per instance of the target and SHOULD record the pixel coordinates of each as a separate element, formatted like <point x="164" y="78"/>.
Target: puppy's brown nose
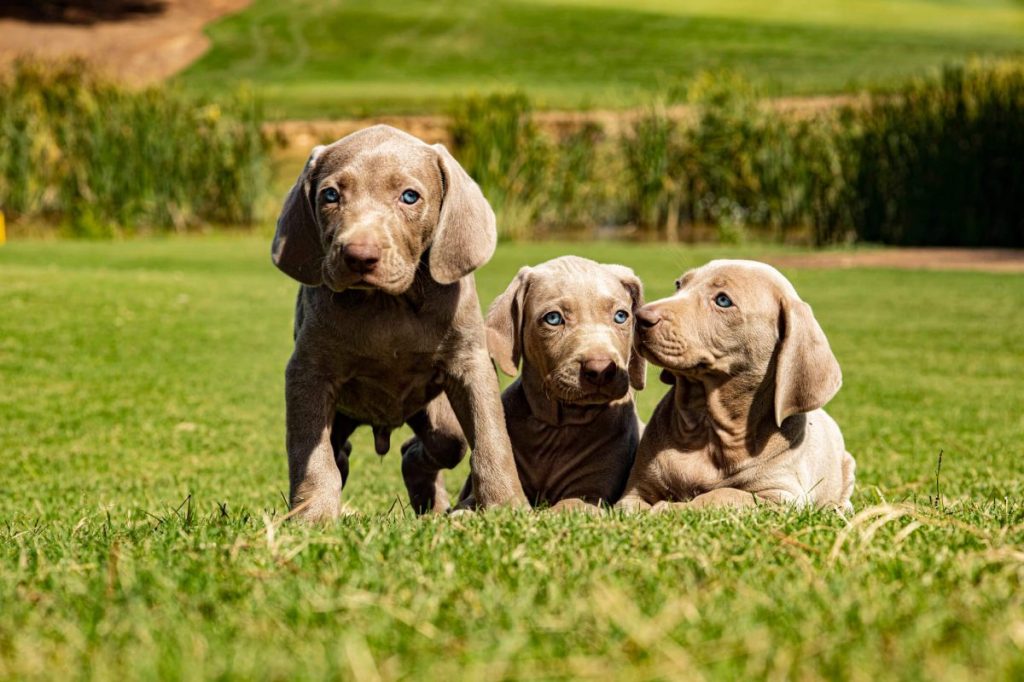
<point x="647" y="316"/>
<point x="597" y="371"/>
<point x="361" y="258"/>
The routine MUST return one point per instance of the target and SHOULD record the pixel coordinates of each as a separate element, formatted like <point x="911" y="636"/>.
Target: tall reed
<point x="941" y="162"/>
<point x="532" y="178"/>
<point x="937" y="162"/>
<point x="99" y="159"/>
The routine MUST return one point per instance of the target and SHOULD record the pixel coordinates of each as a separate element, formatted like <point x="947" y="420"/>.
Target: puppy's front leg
<point x="314" y="477"/>
<point x="473" y="391"/>
<point x="439" y="444"/>
<point x="635" y="496"/>
<point x="646" y="484"/>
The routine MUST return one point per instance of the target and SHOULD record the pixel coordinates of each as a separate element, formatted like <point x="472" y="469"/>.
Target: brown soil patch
<point x="139" y="50"/>
<point x="982" y="260"/>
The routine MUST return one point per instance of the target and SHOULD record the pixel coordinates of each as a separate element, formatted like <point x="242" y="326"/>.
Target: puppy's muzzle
<point x="647" y="317"/>
<point x="361" y="258"/>
<point x="596" y="373"/>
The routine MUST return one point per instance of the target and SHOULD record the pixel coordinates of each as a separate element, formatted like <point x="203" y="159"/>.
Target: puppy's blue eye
<point x="621" y="316"/>
<point x="723" y="301"/>
<point x="554" y="318"/>
<point x="330" y="195"/>
<point x="410" y="197"/>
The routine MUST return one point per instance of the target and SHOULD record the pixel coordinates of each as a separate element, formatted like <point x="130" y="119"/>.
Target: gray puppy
<point x="750" y="370"/>
<point x="383" y="232"/>
<point x="570" y="414"/>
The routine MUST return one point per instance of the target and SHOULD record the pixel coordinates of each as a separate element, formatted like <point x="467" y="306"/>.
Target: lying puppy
<point x="383" y="232"/>
<point x="750" y="369"/>
<point x="570" y="414"/>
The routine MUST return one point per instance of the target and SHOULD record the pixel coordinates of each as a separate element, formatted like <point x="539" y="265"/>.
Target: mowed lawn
<point x="142" y="479"/>
<point x="326" y="58"/>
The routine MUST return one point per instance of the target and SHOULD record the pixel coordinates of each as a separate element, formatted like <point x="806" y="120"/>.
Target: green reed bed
<point x="98" y="159"/>
<point x="932" y="164"/>
<point x="935" y="163"/>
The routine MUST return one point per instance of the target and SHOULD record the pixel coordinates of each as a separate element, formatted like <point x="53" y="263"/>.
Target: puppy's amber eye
<point x="410" y="197"/>
<point x="620" y="316"/>
<point x="723" y="301"/>
<point x="330" y="195"/>
<point x="554" y="318"/>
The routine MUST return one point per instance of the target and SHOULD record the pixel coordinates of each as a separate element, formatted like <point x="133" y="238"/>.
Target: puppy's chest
<point x="690" y="462"/>
<point x="388" y="365"/>
<point x="389" y="392"/>
<point x="559" y="462"/>
<point x="691" y="471"/>
<point x="697" y="462"/>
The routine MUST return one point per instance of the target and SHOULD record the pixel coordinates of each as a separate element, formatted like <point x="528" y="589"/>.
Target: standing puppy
<point x="750" y="370"/>
<point x="570" y="414"/>
<point x="383" y="232"/>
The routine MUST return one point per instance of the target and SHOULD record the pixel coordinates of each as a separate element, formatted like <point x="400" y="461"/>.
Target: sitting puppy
<point x="570" y="414"/>
<point x="383" y="231"/>
<point x="750" y="370"/>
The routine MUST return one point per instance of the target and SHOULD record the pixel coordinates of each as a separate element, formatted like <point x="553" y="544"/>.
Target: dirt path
<point x="981" y="260"/>
<point x="138" y="51"/>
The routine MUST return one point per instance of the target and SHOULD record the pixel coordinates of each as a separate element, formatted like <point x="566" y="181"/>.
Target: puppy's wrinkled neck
<point x="730" y="415"/>
<point x="550" y="410"/>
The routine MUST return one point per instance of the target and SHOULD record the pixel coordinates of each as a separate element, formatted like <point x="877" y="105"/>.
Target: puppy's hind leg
<point x="438" y="444"/>
<point x="341" y="429"/>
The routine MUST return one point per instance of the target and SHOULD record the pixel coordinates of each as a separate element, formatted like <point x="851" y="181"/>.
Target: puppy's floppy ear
<point x="637" y="365"/>
<point x="505" y="324"/>
<point x="298" y="250"/>
<point x="807" y="374"/>
<point x="466" y="232"/>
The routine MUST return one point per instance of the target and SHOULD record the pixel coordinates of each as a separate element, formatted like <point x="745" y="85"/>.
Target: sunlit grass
<point x="316" y="58"/>
<point x="141" y="426"/>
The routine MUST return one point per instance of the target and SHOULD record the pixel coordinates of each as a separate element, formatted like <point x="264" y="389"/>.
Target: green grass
<point x="324" y="58"/>
<point x="143" y="470"/>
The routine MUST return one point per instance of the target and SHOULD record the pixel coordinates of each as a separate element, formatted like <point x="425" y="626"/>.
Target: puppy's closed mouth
<point x="650" y="352"/>
<point x="672" y="359"/>
<point x="574" y="394"/>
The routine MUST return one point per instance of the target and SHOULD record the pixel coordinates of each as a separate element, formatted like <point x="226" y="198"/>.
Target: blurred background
<point x="839" y="121"/>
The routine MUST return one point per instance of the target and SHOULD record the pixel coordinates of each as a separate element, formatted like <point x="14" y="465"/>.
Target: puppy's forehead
<point x="741" y="273"/>
<point x="379" y="149"/>
<point x="578" y="278"/>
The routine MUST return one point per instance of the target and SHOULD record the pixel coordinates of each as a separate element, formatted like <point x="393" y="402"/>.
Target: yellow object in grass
<point x="3" y="229"/>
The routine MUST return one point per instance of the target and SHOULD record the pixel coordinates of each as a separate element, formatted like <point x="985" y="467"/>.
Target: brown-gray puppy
<point x="750" y="370"/>
<point x="383" y="232"/>
<point x="570" y="414"/>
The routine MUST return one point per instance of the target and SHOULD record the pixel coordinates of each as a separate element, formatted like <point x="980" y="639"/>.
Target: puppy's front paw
<point x="667" y="506"/>
<point x="576" y="505"/>
<point x="489" y="497"/>
<point x="317" y="509"/>
<point x="315" y="501"/>
<point x="633" y="504"/>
